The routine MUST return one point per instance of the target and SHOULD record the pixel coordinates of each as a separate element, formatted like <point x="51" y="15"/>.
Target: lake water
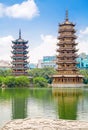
<point x="46" y="103"/>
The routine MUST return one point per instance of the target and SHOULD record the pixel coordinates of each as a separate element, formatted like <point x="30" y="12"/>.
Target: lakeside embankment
<point x="45" y="124"/>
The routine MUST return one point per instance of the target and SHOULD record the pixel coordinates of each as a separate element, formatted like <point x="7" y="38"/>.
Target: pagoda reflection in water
<point x="67" y="102"/>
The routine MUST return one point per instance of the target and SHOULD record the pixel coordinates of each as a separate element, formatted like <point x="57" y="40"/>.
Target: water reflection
<point x="19" y="108"/>
<point x="19" y="103"/>
<point x="67" y="101"/>
<point x="45" y="103"/>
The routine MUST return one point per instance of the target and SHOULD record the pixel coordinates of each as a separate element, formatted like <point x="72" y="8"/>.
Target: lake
<point x="55" y="103"/>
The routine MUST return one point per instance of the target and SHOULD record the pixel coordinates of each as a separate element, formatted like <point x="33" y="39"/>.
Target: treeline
<point x="11" y="81"/>
<point x="36" y="77"/>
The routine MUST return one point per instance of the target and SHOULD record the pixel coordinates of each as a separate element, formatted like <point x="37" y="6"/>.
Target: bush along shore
<point x="36" y="78"/>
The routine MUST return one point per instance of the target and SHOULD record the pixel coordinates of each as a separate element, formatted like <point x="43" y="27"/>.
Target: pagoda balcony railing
<point x="66" y="61"/>
<point x="19" y="68"/>
<point x="19" y="55"/>
<point x="60" y="69"/>
<point x="74" y="68"/>
<point x="65" y="48"/>
<point x="17" y="52"/>
<point x="66" y="30"/>
<point x="19" y="58"/>
<point x="69" y="42"/>
<point x="67" y="36"/>
<point x="67" y="69"/>
<point x="19" y="62"/>
<point x="19" y="47"/>
<point x="67" y="55"/>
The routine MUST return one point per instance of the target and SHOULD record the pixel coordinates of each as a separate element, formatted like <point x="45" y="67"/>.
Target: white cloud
<point x="83" y="41"/>
<point x="1" y="10"/>
<point x="46" y="48"/>
<point x="27" y="9"/>
<point x="5" y="47"/>
<point x="84" y="32"/>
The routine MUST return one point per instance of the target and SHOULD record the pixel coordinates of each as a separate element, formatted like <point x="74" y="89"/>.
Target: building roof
<point x="4" y="64"/>
<point x="20" y="38"/>
<point x="67" y="22"/>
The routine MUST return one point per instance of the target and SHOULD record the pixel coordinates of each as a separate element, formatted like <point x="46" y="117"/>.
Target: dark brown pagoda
<point x="19" y="56"/>
<point x="67" y="54"/>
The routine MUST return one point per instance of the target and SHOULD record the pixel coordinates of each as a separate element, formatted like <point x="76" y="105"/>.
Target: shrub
<point x="22" y="81"/>
<point x="40" y="82"/>
<point x="9" y="81"/>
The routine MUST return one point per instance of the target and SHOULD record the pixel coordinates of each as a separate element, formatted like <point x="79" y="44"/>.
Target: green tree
<point x="43" y="72"/>
<point x="5" y="73"/>
<point x="84" y="72"/>
<point x="22" y="81"/>
<point x="9" y="81"/>
<point x="40" y="82"/>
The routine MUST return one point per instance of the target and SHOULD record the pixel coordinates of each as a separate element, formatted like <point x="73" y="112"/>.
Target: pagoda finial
<point x="66" y="15"/>
<point x="19" y="33"/>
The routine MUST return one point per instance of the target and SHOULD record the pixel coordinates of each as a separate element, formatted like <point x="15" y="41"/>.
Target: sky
<point x="38" y="21"/>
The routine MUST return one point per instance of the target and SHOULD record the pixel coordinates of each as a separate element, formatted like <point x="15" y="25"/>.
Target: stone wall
<point x="45" y="124"/>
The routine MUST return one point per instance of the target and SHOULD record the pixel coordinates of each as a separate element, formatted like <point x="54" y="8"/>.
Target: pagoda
<point x="19" y="56"/>
<point x="66" y="56"/>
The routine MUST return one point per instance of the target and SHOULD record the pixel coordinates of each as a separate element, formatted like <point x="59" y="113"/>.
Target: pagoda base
<point x="67" y="85"/>
<point x="67" y="81"/>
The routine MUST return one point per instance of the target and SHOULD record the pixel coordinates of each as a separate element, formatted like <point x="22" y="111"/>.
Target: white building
<point x="5" y="64"/>
<point x="47" y="61"/>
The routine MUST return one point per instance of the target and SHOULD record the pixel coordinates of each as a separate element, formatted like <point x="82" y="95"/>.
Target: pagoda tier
<point x="19" y="56"/>
<point x="66" y="43"/>
<point x="66" y="57"/>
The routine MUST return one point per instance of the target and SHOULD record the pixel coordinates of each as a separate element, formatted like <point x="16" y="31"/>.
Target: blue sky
<point x="38" y="20"/>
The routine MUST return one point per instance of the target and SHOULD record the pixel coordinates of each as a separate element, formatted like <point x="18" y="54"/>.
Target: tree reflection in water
<point x="67" y="100"/>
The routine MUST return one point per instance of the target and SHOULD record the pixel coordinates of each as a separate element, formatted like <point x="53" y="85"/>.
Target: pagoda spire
<point x="66" y="15"/>
<point x="19" y="33"/>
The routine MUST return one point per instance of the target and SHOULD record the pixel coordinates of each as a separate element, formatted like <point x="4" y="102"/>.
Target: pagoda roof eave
<point x="17" y="40"/>
<point x="58" y="75"/>
<point x="64" y="23"/>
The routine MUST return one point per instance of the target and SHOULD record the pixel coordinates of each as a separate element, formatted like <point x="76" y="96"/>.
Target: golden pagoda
<point x="66" y="57"/>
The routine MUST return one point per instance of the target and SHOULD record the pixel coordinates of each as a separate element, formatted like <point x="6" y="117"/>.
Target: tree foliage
<point x="22" y="81"/>
<point x="5" y="73"/>
<point x="43" y="72"/>
<point x="40" y="82"/>
<point x="11" y="81"/>
<point x="84" y="72"/>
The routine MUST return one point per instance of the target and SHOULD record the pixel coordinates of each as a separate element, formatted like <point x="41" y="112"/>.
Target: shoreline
<point x="45" y="124"/>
